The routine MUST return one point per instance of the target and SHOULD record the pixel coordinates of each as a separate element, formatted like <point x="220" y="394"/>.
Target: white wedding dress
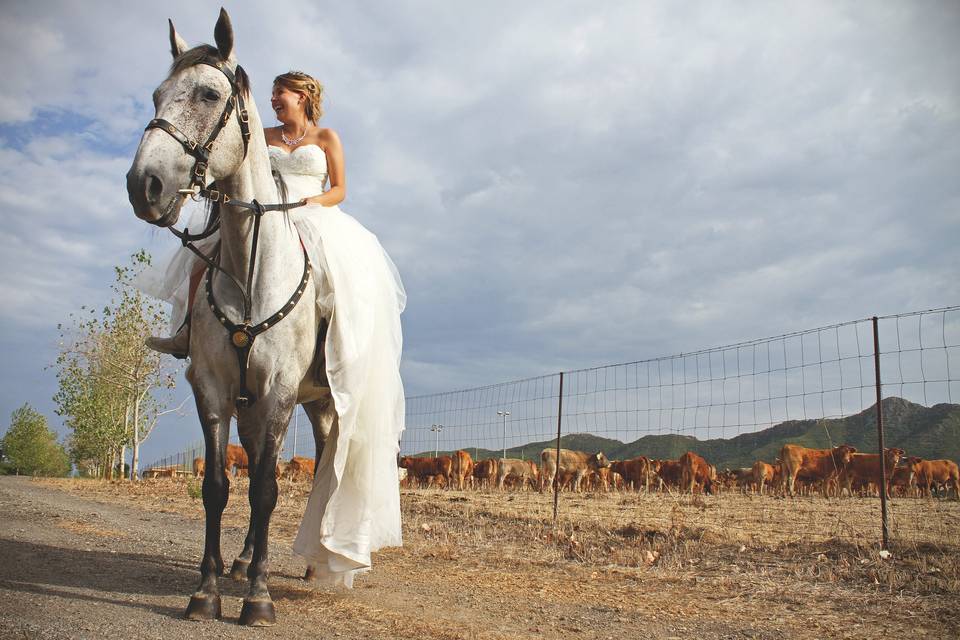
<point x="354" y="506"/>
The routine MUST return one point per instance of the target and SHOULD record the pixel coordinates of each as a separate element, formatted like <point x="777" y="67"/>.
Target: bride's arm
<point x="330" y="143"/>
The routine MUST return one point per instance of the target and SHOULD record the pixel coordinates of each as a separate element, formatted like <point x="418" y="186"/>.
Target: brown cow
<point x="636" y="472"/>
<point x="485" y="472"/>
<point x="236" y="457"/>
<point x="300" y="468"/>
<point x="740" y="478"/>
<point x="763" y="474"/>
<point x="669" y="472"/>
<point x="423" y="469"/>
<point x="818" y="465"/>
<point x="574" y="463"/>
<point x="696" y="472"/>
<point x="931" y="474"/>
<point x="199" y="467"/>
<point x="462" y="469"/>
<point x="863" y="469"/>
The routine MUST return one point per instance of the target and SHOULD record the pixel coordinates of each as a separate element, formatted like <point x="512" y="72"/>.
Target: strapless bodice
<point x="304" y="169"/>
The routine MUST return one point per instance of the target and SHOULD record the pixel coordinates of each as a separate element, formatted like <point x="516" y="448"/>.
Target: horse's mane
<point x="200" y="53"/>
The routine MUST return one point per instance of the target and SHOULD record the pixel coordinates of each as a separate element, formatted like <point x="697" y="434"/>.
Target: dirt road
<point x="84" y="559"/>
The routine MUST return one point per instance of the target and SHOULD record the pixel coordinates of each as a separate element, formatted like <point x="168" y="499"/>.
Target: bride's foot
<point x="178" y="345"/>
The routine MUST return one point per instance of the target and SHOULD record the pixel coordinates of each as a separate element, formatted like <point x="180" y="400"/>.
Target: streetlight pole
<point x="296" y="427"/>
<point x="437" y="428"/>
<point x="504" y="414"/>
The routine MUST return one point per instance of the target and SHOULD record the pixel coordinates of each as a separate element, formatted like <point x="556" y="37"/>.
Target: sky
<point x="561" y="184"/>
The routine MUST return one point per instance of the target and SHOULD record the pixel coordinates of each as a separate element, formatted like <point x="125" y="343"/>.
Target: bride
<point x="354" y="507"/>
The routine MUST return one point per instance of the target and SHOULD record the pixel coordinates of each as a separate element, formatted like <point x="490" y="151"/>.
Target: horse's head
<point x="200" y="129"/>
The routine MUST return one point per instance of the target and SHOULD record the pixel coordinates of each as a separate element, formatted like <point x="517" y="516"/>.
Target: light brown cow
<point x="931" y="474"/>
<point x="485" y="472"/>
<point x="300" y="468"/>
<point x="462" y="469"/>
<point x="604" y="479"/>
<point x="863" y="469"/>
<point x="818" y="465"/>
<point x="199" y="467"/>
<point x="696" y="472"/>
<point x="902" y="482"/>
<point x="763" y="474"/>
<point x="573" y="463"/>
<point x="518" y="472"/>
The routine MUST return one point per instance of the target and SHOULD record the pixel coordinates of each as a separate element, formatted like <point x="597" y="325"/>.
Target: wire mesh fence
<point x="732" y="405"/>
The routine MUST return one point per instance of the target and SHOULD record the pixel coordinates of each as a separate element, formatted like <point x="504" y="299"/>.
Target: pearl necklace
<point x="292" y="142"/>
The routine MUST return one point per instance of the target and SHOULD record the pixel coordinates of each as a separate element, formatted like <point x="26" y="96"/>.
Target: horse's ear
<point x="177" y="44"/>
<point x="223" y="35"/>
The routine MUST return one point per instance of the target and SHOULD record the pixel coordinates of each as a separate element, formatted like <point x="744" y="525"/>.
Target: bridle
<point x="244" y="333"/>
<point x="201" y="152"/>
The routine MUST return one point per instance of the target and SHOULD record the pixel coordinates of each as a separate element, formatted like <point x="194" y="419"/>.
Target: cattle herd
<point x="798" y="470"/>
<point x="829" y="472"/>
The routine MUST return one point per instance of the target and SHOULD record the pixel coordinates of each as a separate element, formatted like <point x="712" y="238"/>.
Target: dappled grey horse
<point x="252" y="346"/>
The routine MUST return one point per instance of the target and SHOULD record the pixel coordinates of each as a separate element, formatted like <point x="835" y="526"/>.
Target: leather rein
<point x="242" y="334"/>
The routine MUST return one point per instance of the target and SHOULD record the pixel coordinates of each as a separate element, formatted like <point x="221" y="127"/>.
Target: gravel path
<point x="72" y="567"/>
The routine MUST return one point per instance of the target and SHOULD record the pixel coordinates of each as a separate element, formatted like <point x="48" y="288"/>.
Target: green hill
<point x="928" y="432"/>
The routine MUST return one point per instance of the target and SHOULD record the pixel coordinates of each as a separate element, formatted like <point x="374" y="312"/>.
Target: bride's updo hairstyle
<point x="299" y="82"/>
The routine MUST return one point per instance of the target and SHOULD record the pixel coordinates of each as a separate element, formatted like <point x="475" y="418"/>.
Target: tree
<point x="31" y="448"/>
<point x="112" y="389"/>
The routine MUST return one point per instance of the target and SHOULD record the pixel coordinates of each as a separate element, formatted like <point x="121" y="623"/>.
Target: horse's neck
<point x="279" y="257"/>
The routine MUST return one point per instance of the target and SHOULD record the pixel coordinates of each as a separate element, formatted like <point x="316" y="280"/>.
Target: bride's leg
<point x="178" y="345"/>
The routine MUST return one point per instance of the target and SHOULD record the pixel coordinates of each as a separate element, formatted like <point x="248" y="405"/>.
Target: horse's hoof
<point x="258" y="613"/>
<point x="204" y="608"/>
<point x="238" y="572"/>
<point x="310" y="573"/>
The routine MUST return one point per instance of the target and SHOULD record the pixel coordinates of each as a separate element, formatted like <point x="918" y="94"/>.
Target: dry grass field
<point x="493" y="565"/>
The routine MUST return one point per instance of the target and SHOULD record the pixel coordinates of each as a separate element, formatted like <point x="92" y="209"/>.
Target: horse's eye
<point x="210" y="95"/>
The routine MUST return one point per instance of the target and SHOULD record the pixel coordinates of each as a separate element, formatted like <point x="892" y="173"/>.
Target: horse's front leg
<point x="264" y="426"/>
<point x="205" y="602"/>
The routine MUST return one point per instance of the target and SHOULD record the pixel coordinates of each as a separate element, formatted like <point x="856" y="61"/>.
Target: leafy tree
<point x="112" y="389"/>
<point x="31" y="447"/>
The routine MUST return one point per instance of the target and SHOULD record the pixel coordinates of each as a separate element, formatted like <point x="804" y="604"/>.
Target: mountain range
<point x="927" y="432"/>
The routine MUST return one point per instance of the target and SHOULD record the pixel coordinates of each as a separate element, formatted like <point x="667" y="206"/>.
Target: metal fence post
<point x="556" y="471"/>
<point x="883" y="463"/>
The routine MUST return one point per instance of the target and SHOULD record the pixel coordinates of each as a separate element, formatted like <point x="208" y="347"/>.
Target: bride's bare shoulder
<point x="328" y="138"/>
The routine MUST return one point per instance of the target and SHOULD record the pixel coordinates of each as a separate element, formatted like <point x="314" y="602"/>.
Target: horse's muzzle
<point x="146" y="193"/>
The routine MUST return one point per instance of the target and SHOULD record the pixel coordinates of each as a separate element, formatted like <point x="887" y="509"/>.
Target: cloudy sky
<point x="561" y="184"/>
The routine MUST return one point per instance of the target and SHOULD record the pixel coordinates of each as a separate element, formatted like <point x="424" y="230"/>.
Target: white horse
<point x="203" y="99"/>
